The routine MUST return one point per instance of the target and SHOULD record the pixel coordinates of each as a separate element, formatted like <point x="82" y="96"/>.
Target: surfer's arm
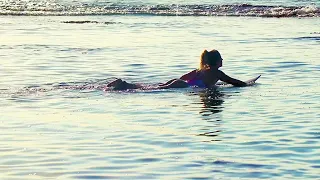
<point x="223" y="77"/>
<point x="189" y="75"/>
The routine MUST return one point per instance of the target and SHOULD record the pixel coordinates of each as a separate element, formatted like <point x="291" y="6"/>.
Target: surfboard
<point x="250" y="82"/>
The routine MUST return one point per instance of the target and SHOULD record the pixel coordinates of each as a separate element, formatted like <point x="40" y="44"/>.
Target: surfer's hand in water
<point x="250" y="83"/>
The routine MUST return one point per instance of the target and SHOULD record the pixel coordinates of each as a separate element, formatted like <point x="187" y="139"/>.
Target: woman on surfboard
<point x="205" y="77"/>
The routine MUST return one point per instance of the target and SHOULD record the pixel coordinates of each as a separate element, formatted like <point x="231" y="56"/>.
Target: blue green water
<point x="267" y="131"/>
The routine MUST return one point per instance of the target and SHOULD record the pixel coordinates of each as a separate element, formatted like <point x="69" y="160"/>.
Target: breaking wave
<point x="27" y="8"/>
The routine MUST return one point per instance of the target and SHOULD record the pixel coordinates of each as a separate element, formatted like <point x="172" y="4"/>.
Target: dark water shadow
<point x="310" y="38"/>
<point x="212" y="100"/>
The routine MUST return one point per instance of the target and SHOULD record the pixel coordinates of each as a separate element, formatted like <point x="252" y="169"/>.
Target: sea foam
<point x="27" y="8"/>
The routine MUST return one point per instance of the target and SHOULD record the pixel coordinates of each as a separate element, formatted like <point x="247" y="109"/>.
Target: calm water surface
<point x="270" y="130"/>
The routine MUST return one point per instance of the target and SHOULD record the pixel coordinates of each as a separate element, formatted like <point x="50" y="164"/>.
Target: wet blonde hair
<point x="209" y="58"/>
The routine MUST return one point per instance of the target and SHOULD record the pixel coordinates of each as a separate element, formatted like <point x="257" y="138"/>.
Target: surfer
<point x="206" y="76"/>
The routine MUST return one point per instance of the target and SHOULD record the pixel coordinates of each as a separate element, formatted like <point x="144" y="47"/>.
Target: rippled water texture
<point x="270" y="130"/>
<point x="260" y="8"/>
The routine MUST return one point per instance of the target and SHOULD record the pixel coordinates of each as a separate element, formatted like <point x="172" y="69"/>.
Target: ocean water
<point x="57" y="122"/>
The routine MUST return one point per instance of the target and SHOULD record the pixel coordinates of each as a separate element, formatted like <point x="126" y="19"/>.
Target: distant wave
<point x="82" y="9"/>
<point x="87" y="22"/>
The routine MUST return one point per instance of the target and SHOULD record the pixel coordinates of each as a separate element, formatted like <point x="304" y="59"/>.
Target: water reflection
<point x="212" y="102"/>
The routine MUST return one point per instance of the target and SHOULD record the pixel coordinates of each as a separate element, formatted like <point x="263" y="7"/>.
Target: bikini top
<point x="197" y="80"/>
